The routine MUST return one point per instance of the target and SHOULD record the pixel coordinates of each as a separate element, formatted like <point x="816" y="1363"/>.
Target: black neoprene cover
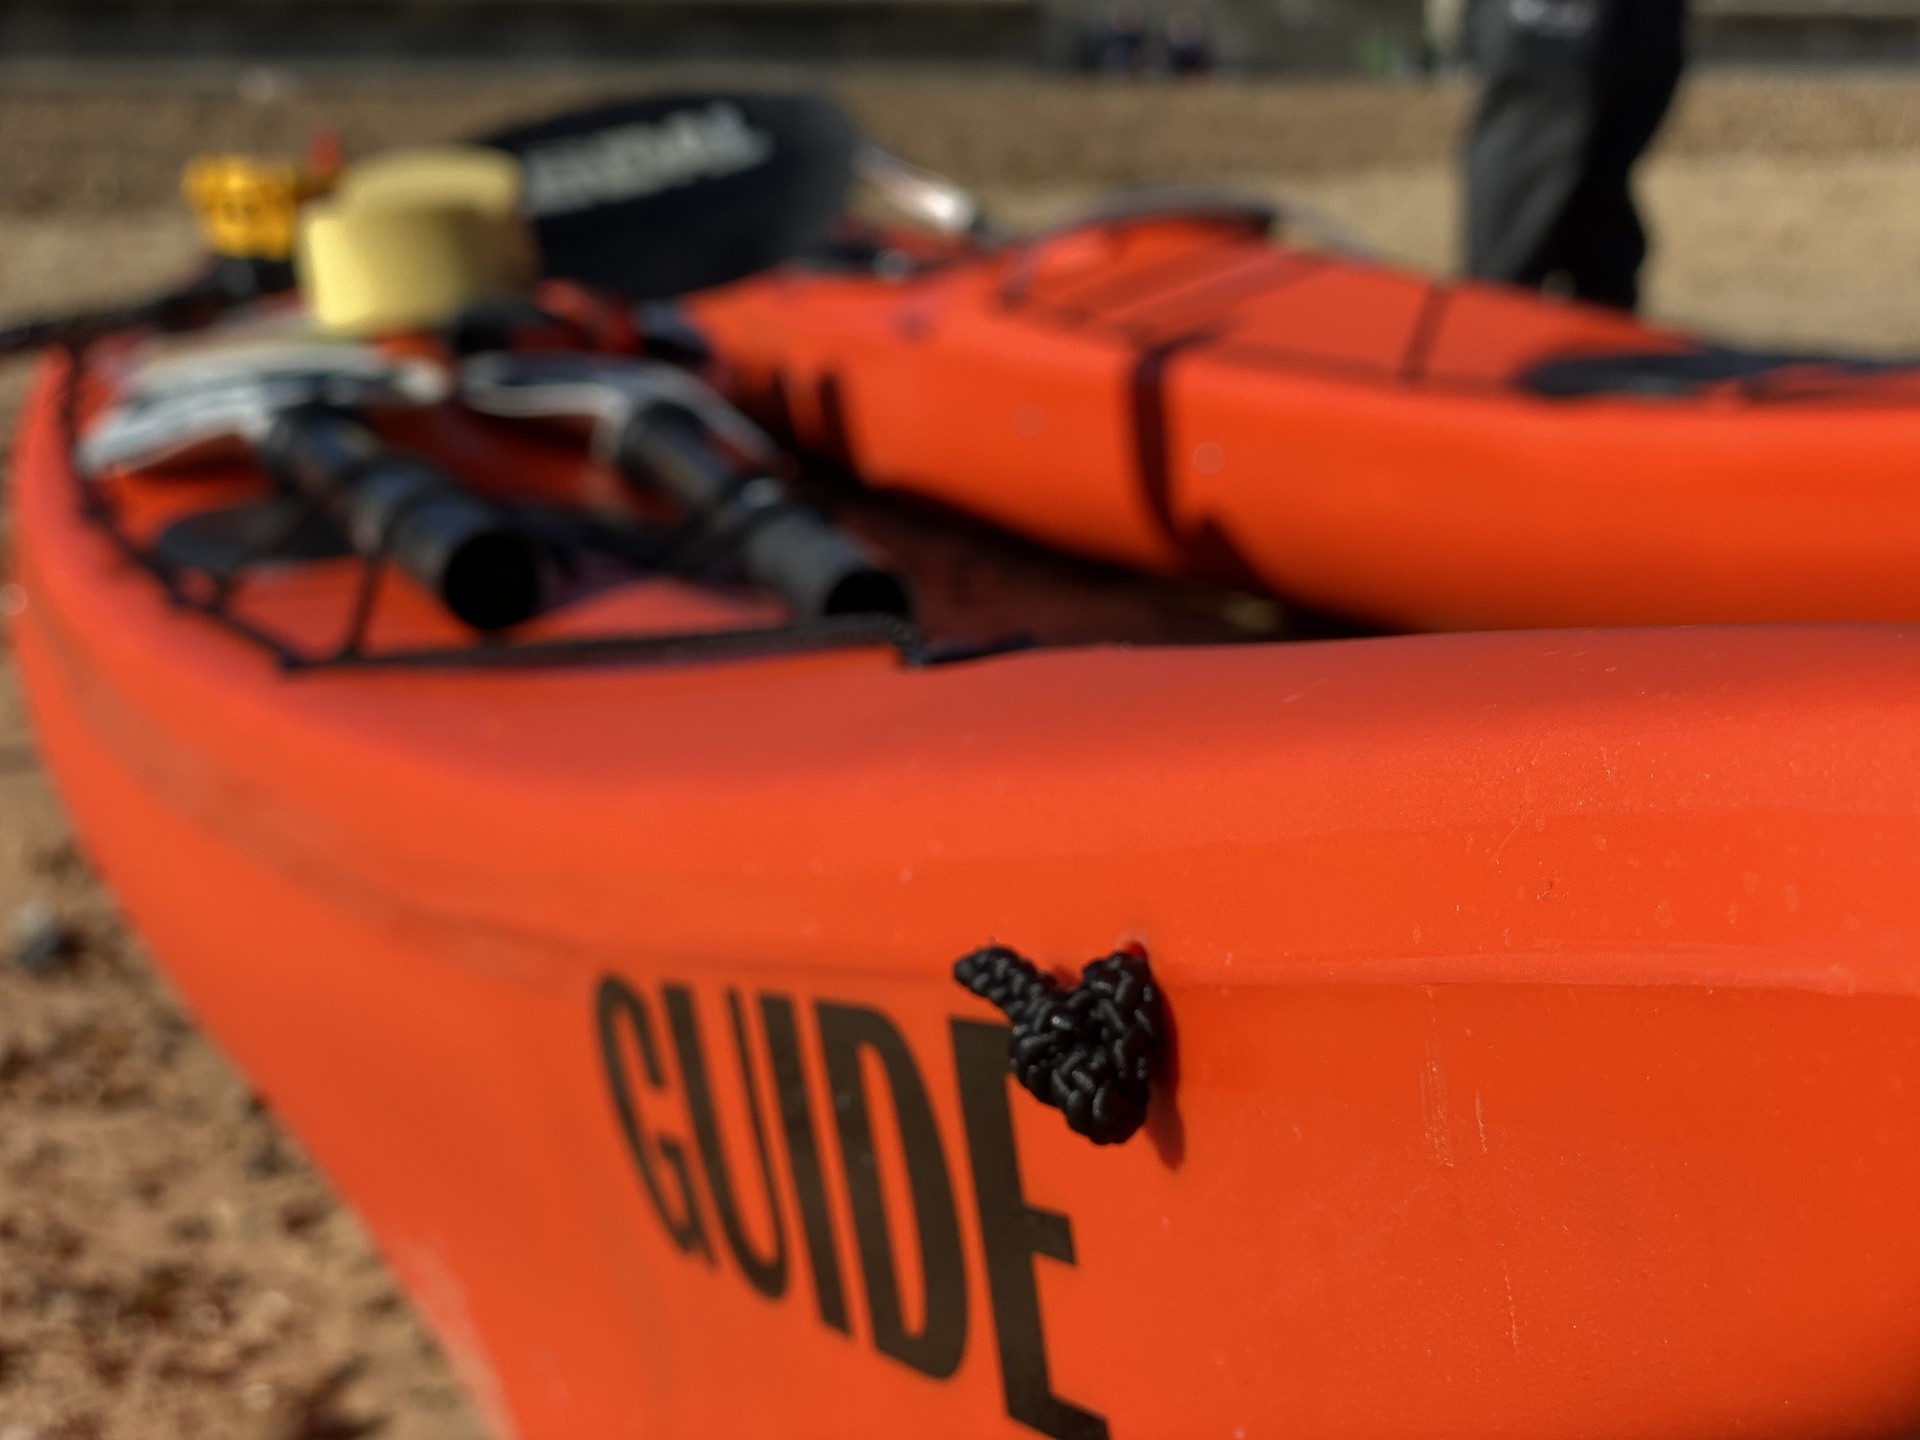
<point x="675" y="193"/>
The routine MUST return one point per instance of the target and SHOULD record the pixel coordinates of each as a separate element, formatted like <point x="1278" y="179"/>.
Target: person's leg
<point x="1574" y="91"/>
<point x="1528" y="148"/>
<point x="1601" y="243"/>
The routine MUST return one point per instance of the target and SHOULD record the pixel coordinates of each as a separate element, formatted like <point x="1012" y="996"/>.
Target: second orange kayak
<point x="1170" y="389"/>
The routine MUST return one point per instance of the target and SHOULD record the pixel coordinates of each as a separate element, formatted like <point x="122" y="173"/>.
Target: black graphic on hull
<point x="859" y="1046"/>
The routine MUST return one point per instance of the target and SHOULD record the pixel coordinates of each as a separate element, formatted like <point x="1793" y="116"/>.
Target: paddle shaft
<point x="227" y="282"/>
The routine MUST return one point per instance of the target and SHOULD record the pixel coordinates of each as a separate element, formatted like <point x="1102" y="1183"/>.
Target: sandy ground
<point x="169" y="1265"/>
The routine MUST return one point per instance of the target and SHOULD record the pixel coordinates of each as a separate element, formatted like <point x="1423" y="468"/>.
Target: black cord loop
<point x="1088" y="1050"/>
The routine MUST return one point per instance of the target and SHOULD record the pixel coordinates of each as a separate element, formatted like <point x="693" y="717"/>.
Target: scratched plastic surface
<point x="1546" y="1008"/>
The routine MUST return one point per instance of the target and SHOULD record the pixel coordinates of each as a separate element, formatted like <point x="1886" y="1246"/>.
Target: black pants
<point x="1574" y="90"/>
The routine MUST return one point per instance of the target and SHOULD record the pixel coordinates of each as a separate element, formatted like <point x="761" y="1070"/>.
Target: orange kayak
<point x="1540" y="1044"/>
<point x="1173" y="390"/>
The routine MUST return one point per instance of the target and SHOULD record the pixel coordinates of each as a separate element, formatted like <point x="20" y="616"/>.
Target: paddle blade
<point x="675" y="193"/>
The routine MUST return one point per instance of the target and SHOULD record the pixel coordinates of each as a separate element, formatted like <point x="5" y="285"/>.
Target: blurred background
<point x="1249" y="36"/>
<point x="169" y="1265"/>
<point x="1782" y="191"/>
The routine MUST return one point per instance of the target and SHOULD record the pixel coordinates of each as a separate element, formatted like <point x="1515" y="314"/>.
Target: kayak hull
<point x="1545" y="1039"/>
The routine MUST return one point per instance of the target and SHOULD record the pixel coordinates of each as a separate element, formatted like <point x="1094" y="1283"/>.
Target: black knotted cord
<point x="1087" y="1049"/>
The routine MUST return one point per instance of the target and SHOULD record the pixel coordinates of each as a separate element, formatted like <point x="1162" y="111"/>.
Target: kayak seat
<point x="1677" y="374"/>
